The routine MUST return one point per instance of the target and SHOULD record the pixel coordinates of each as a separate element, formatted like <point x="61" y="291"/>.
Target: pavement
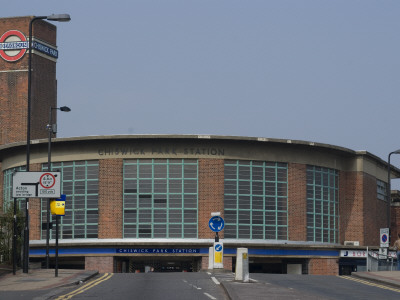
<point x="37" y="279"/>
<point x="41" y="279"/>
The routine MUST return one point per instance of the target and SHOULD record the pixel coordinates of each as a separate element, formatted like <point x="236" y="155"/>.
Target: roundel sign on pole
<point x="216" y="223"/>
<point x="13" y="45"/>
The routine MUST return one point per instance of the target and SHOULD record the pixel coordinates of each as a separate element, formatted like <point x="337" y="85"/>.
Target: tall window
<point x="80" y="183"/>
<point x="160" y="198"/>
<point x="255" y="200"/>
<point x="381" y="190"/>
<point x="322" y="204"/>
<point x="7" y="189"/>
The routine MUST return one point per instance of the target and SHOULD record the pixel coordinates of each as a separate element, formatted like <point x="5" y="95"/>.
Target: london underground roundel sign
<point x="13" y="45"/>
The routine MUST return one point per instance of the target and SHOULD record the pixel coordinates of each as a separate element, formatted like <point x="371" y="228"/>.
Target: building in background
<point x="140" y="201"/>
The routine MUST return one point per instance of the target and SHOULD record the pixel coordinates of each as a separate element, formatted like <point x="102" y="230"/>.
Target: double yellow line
<point x="371" y="283"/>
<point x="86" y="287"/>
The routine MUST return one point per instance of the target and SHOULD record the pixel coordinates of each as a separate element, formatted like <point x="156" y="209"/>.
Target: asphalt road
<point x="201" y="286"/>
<point x="324" y="287"/>
<point x="154" y="286"/>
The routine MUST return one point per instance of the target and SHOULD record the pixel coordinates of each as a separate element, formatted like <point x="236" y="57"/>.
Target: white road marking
<point x="215" y="280"/>
<point x="209" y="296"/>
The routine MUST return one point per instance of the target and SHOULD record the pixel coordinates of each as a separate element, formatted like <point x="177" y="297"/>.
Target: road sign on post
<point x="216" y="223"/>
<point x="37" y="185"/>
<point x="384" y="238"/>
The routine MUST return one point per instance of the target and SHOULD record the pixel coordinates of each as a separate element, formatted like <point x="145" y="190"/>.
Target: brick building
<point x="138" y="201"/>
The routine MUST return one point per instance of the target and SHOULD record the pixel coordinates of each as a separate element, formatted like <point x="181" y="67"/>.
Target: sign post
<point x="33" y="185"/>
<point x="216" y="224"/>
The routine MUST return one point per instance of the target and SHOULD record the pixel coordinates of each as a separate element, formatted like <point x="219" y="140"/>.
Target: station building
<point x="138" y="201"/>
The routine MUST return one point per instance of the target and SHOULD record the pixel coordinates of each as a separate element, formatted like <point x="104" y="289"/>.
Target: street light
<point x="52" y="129"/>
<point x="389" y="195"/>
<point x="58" y="18"/>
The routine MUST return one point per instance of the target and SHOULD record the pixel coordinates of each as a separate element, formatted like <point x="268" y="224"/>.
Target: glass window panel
<point x="145" y="171"/>
<point x="244" y="173"/>
<point x="160" y="171"/>
<point x="160" y="186"/>
<point x="175" y="231"/>
<point x="244" y="202"/>
<point x="190" y="231"/>
<point x="175" y="216"/>
<point x="190" y="186"/>
<point x="160" y="231"/>
<point x="244" y="232"/>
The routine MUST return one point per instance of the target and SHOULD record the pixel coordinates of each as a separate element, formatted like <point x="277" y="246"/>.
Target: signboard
<point x="216" y="223"/>
<point x="384" y="238"/>
<point x="218" y="255"/>
<point x="13" y="45"/>
<point x="37" y="185"/>
<point x="363" y="254"/>
<point x="57" y="206"/>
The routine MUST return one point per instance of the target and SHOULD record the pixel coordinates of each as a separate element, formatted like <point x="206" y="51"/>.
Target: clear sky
<point x="321" y="71"/>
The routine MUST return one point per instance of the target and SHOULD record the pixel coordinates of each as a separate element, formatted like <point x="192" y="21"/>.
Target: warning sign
<point x="37" y="185"/>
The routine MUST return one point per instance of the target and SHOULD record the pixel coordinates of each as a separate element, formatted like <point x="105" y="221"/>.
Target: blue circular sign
<point x="218" y="247"/>
<point x="216" y="223"/>
<point x="384" y="238"/>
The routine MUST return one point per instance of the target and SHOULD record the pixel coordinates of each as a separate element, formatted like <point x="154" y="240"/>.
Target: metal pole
<point x="50" y="130"/>
<point x="28" y="144"/>
<point x="56" y="273"/>
<point x="389" y="195"/>
<point x="15" y="238"/>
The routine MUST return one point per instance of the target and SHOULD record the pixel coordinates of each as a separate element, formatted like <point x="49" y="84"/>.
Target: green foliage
<point x="6" y="235"/>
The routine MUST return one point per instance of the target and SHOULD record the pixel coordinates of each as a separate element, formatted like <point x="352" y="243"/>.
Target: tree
<point x="6" y="235"/>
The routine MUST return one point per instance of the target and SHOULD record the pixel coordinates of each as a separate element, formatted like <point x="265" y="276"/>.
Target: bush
<point x="6" y="235"/>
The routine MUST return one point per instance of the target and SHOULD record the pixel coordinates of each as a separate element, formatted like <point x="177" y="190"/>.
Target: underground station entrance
<point x="142" y="264"/>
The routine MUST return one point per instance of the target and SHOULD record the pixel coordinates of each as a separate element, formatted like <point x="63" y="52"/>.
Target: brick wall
<point x="211" y="194"/>
<point x="103" y="264"/>
<point x="297" y="202"/>
<point x="395" y="222"/>
<point x="110" y="198"/>
<point x="351" y="207"/>
<point x="323" y="266"/>
<point x="14" y="85"/>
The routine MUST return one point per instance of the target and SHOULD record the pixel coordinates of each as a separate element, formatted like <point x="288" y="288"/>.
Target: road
<point x="154" y="286"/>
<point x="204" y="286"/>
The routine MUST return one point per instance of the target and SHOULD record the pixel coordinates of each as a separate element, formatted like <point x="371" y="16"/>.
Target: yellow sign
<point x="218" y="257"/>
<point x="57" y="207"/>
<point x="244" y="255"/>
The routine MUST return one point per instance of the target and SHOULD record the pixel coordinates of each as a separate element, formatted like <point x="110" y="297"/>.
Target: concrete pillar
<point x="242" y="265"/>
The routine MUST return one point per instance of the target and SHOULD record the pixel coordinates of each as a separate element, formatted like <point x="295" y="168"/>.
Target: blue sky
<point x="321" y="71"/>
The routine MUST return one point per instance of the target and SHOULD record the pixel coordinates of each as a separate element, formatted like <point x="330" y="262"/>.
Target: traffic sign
<point x="218" y="247"/>
<point x="37" y="185"/>
<point x="216" y="223"/>
<point x="384" y="238"/>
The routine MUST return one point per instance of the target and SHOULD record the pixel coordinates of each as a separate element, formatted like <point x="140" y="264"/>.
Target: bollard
<point x="211" y="258"/>
<point x="242" y="265"/>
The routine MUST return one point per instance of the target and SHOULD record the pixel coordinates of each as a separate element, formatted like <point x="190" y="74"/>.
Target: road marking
<point x="215" y="280"/>
<point x="86" y="287"/>
<point x="371" y="283"/>
<point x="208" y="273"/>
<point x="209" y="296"/>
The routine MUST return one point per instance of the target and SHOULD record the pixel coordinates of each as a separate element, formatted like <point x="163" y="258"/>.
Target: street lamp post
<point x="59" y="18"/>
<point x="389" y="195"/>
<point x="52" y="129"/>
